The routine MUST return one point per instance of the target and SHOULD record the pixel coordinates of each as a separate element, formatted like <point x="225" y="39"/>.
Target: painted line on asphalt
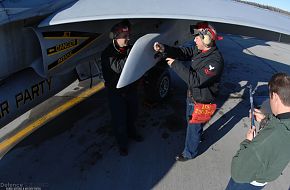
<point x="13" y="140"/>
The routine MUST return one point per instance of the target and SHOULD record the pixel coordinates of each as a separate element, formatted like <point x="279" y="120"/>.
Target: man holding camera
<point x="262" y="158"/>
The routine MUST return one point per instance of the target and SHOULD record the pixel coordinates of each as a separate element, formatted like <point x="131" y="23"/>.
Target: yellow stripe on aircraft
<point x="62" y="47"/>
<point x="67" y="34"/>
<point x="71" y="53"/>
<point x="61" y="38"/>
<point x="7" y="144"/>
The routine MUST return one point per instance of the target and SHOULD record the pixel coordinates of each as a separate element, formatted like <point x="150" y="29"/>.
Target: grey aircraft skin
<point x="45" y="45"/>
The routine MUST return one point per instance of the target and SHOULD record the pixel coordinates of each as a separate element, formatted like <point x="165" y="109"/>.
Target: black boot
<point x="181" y="158"/>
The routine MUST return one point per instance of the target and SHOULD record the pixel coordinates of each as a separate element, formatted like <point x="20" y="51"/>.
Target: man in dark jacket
<point x="262" y="158"/>
<point x="123" y="102"/>
<point x="202" y="77"/>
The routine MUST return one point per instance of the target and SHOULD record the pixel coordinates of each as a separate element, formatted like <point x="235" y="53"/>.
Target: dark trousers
<point x="232" y="185"/>
<point x="124" y="111"/>
<point x="193" y="133"/>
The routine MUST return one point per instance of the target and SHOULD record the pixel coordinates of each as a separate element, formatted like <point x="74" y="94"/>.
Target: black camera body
<point x="160" y="55"/>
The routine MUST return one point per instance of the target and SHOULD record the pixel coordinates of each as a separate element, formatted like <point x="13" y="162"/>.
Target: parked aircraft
<point x="47" y="44"/>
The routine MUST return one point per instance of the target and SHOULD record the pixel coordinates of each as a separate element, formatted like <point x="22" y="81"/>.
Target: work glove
<point x="158" y="47"/>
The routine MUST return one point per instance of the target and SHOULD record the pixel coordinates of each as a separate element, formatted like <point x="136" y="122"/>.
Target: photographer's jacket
<point x="264" y="158"/>
<point x="203" y="75"/>
<point x="113" y="62"/>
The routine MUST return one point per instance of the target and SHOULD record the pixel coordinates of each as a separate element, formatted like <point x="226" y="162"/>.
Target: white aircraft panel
<point x="141" y="54"/>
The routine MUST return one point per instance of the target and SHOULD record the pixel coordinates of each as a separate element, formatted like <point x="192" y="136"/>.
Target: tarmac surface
<point x="77" y="150"/>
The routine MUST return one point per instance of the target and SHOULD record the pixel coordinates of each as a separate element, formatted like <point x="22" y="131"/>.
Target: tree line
<point x="264" y="7"/>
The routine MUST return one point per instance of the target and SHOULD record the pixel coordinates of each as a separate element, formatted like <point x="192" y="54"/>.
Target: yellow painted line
<point x="6" y="144"/>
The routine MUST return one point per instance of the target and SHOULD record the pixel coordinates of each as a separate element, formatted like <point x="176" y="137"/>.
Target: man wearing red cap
<point x="123" y="102"/>
<point x="202" y="77"/>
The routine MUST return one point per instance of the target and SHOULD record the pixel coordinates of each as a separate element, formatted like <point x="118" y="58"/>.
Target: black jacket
<point x="204" y="73"/>
<point x="113" y="62"/>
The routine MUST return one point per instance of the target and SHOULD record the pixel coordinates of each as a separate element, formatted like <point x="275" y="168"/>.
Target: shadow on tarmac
<point x="77" y="149"/>
<point x="236" y="70"/>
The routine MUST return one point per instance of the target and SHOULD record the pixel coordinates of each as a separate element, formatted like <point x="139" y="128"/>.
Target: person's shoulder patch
<point x="209" y="71"/>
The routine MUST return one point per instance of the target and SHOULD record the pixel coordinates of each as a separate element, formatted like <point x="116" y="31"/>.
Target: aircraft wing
<point x="21" y="9"/>
<point x="223" y="11"/>
<point x="220" y="11"/>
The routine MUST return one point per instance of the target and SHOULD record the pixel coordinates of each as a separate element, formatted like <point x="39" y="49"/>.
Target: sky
<point x="281" y="4"/>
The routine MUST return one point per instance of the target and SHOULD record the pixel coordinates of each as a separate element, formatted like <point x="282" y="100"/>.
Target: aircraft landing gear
<point x="157" y="83"/>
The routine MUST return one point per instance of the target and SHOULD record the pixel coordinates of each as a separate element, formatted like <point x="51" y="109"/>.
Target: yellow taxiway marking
<point x="6" y="144"/>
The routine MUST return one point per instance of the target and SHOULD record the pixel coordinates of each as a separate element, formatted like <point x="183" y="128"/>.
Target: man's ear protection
<point x="206" y="37"/>
<point x="203" y="33"/>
